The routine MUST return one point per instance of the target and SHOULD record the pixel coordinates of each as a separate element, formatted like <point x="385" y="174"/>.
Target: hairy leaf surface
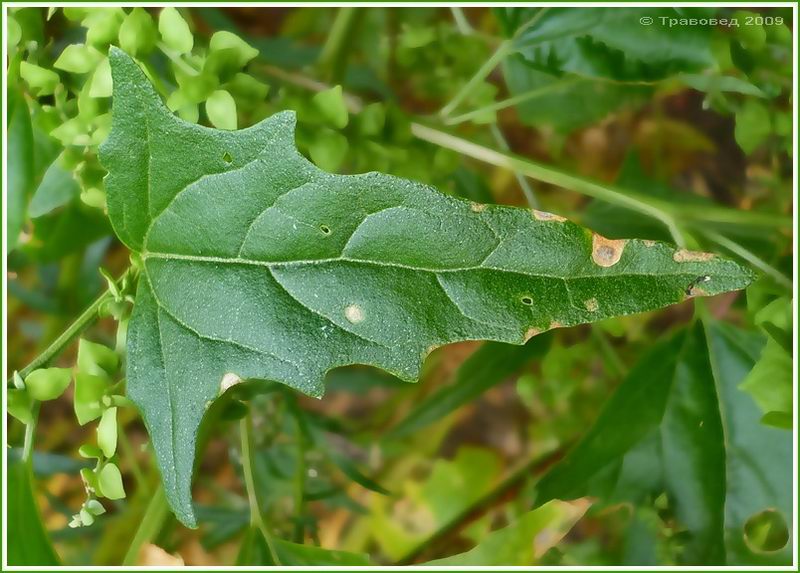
<point x="256" y="264"/>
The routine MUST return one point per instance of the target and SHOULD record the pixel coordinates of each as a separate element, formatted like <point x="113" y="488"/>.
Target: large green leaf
<point x="770" y="380"/>
<point x="634" y="43"/>
<point x="568" y="56"/>
<point x="20" y="165"/>
<point x="28" y="543"/>
<point x="565" y="103"/>
<point x="256" y="264"/>
<point x="523" y="541"/>
<point x="680" y="424"/>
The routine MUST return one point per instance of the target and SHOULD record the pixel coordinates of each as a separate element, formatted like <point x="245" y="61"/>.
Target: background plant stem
<point x="72" y="331"/>
<point x="256" y="517"/>
<point x="662" y="211"/>
<point x="152" y="521"/>
<point x="333" y="59"/>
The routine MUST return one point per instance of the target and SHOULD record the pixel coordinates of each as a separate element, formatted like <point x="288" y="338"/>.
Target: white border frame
<point x="5" y="567"/>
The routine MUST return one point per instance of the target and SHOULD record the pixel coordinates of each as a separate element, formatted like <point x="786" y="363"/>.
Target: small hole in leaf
<point x="526" y="300"/>
<point x="227" y="157"/>
<point x="766" y="531"/>
<point x="325" y="229"/>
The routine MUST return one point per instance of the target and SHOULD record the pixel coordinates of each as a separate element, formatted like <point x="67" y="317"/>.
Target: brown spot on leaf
<point x="591" y="305"/>
<point x="606" y="252"/>
<point x="531" y="333"/>
<point x="545" y="216"/>
<point x="477" y="207"/>
<point x="555" y="324"/>
<point x="684" y="256"/>
<point x="648" y="243"/>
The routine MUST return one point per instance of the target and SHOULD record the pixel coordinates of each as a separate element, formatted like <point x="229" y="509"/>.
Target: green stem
<point x="660" y="210"/>
<point x="462" y="23"/>
<point x="59" y="344"/>
<point x="152" y="521"/>
<point x="332" y="57"/>
<point x="512" y="101"/>
<point x="30" y="434"/>
<point x="488" y="66"/>
<point x="503" y="50"/>
<point x="256" y="517"/>
<point x="299" y="485"/>
<point x="611" y="356"/>
<point x="527" y="190"/>
<point x="130" y="455"/>
<point x="657" y="209"/>
<point x="749" y="256"/>
<point x="177" y="59"/>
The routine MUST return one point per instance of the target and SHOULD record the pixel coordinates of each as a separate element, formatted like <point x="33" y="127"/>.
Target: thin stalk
<point x="608" y="351"/>
<point x="30" y="434"/>
<point x="488" y="66"/>
<point x="299" y="482"/>
<point x="130" y="455"/>
<point x="512" y="101"/>
<point x="72" y="331"/>
<point x="532" y="22"/>
<point x="176" y="58"/>
<point x="527" y="190"/>
<point x="504" y="50"/>
<point x="657" y="209"/>
<point x="750" y="257"/>
<point x="661" y="210"/>
<point x="152" y="521"/>
<point x="256" y="517"/>
<point x="332" y="57"/>
<point x="353" y="103"/>
<point x="299" y="491"/>
<point x="462" y="23"/>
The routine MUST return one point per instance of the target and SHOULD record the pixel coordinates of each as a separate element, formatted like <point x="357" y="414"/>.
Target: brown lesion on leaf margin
<point x="477" y="207"/>
<point x="534" y="330"/>
<point x="684" y="256"/>
<point x="607" y="252"/>
<point x="531" y="332"/>
<point x="545" y="216"/>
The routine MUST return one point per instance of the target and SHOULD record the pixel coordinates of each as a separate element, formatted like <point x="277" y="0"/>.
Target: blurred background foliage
<point x="657" y="439"/>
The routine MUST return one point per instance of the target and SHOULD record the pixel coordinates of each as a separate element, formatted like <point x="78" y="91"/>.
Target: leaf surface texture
<point x="256" y="264"/>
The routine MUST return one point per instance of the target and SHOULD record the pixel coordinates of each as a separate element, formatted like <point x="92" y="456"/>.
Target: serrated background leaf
<point x="679" y="424"/>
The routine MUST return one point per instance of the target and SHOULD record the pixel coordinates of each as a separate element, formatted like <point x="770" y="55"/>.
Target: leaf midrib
<point x="310" y="262"/>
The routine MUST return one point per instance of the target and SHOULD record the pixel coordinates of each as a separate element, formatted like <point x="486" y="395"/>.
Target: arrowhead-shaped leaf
<point x="256" y="264"/>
